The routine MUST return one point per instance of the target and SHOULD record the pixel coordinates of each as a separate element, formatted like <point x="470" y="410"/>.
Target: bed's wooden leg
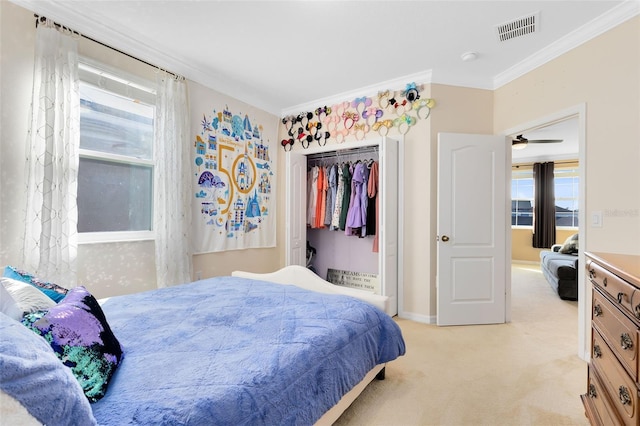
<point x="380" y="375"/>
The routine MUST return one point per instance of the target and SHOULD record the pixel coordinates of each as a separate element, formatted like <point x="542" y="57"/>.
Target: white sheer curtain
<point x="50" y="247"/>
<point x="172" y="178"/>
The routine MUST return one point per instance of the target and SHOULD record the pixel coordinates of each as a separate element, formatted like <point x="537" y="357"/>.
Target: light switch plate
<point x="596" y="219"/>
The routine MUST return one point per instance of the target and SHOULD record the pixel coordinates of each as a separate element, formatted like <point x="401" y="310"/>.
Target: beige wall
<point x="603" y="73"/>
<point x="15" y="89"/>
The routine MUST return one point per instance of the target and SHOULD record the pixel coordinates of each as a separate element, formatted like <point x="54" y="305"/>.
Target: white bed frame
<point x="304" y="278"/>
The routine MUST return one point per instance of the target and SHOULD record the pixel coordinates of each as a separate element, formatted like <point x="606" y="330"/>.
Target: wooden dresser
<point x="613" y="396"/>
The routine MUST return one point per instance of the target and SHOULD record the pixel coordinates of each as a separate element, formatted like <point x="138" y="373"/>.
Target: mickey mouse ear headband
<point x="288" y="123"/>
<point x="411" y="92"/>
<point x="287" y="143"/>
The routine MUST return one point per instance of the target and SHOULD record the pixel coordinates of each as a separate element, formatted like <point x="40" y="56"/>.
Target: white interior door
<point x="473" y="275"/>
<point x="296" y="233"/>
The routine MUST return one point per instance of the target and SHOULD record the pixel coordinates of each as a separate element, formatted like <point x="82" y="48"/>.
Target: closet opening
<point x="345" y="253"/>
<point x="346" y="200"/>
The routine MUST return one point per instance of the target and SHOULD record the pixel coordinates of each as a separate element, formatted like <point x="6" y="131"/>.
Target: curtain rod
<point x="560" y="162"/>
<point x="42" y="19"/>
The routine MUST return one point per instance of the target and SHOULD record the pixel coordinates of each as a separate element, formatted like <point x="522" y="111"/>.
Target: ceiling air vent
<point x="519" y="27"/>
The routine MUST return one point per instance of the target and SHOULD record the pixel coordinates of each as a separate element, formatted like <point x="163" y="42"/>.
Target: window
<point x="115" y="176"/>
<point x="522" y="198"/>
<point x="566" y="184"/>
<point x="566" y="187"/>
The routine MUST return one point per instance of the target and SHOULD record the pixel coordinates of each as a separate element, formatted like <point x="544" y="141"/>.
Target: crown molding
<point x="423" y="77"/>
<point x="77" y="19"/>
<point x="590" y="30"/>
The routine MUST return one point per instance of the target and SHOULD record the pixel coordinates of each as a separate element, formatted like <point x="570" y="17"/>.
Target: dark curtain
<point x="544" y="210"/>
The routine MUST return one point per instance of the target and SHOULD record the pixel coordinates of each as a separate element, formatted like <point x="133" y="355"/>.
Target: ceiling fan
<point x="520" y="142"/>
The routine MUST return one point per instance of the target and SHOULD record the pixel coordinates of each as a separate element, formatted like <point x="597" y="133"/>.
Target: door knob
<point x="445" y="238"/>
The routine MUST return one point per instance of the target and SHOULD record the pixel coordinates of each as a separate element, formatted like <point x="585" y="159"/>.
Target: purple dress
<point x="357" y="214"/>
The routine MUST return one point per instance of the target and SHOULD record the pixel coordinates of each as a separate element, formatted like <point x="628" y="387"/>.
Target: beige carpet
<point x="526" y="372"/>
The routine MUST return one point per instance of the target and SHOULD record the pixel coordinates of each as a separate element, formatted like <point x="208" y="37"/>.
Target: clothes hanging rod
<point x="42" y="19"/>
<point x="338" y="153"/>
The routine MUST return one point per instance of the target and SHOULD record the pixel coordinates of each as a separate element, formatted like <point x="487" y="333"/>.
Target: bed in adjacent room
<point x="281" y="348"/>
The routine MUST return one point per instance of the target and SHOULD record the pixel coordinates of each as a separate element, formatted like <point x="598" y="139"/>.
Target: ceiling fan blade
<point x="519" y="142"/>
<point x="545" y="140"/>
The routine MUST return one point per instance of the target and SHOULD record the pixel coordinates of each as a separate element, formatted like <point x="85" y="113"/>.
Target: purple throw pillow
<point x="78" y="332"/>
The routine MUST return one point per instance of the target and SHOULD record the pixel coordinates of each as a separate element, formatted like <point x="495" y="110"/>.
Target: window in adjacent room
<point x="115" y="177"/>
<point x="566" y="187"/>
<point x="522" y="198"/>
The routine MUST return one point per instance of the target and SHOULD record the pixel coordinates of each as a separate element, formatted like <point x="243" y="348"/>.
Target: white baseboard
<point x="424" y="319"/>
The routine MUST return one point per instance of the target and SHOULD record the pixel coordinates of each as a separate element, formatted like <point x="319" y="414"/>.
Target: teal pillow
<point x="54" y="291"/>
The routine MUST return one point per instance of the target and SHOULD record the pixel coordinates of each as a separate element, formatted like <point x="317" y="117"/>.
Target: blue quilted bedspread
<point x="234" y="351"/>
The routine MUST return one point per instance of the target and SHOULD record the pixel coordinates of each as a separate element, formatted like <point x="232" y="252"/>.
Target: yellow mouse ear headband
<point x="423" y="107"/>
<point x="383" y="99"/>
<point x="404" y="122"/>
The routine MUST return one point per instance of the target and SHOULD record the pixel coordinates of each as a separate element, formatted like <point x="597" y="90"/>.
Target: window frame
<point x="523" y="172"/>
<point x="121" y="83"/>
<point x="574" y="173"/>
<point x="573" y="167"/>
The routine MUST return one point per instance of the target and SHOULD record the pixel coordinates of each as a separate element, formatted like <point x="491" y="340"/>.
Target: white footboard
<point x="304" y="278"/>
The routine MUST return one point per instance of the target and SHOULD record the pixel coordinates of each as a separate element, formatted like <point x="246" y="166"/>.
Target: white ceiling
<point x="566" y="130"/>
<point x="283" y="55"/>
<point x="291" y="56"/>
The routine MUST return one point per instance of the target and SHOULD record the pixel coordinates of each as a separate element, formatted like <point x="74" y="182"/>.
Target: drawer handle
<point x="625" y="341"/>
<point x="622" y="296"/>
<point x="592" y="391"/>
<point x="623" y="393"/>
<point x="597" y="352"/>
<point x="636" y="311"/>
<point x="604" y="281"/>
<point x="592" y="273"/>
<point x="597" y="311"/>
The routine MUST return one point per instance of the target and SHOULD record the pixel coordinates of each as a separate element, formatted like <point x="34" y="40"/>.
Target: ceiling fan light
<point x="519" y="144"/>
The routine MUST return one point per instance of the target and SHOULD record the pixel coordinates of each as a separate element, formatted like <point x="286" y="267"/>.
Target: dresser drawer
<point x="597" y="403"/>
<point x="620" y="332"/>
<point x="626" y="295"/>
<point x="621" y="388"/>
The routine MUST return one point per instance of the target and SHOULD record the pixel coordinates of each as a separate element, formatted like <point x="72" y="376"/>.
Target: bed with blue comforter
<point x="236" y="351"/>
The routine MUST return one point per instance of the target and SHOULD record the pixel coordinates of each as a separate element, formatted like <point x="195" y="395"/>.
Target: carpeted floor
<point x="526" y="372"/>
